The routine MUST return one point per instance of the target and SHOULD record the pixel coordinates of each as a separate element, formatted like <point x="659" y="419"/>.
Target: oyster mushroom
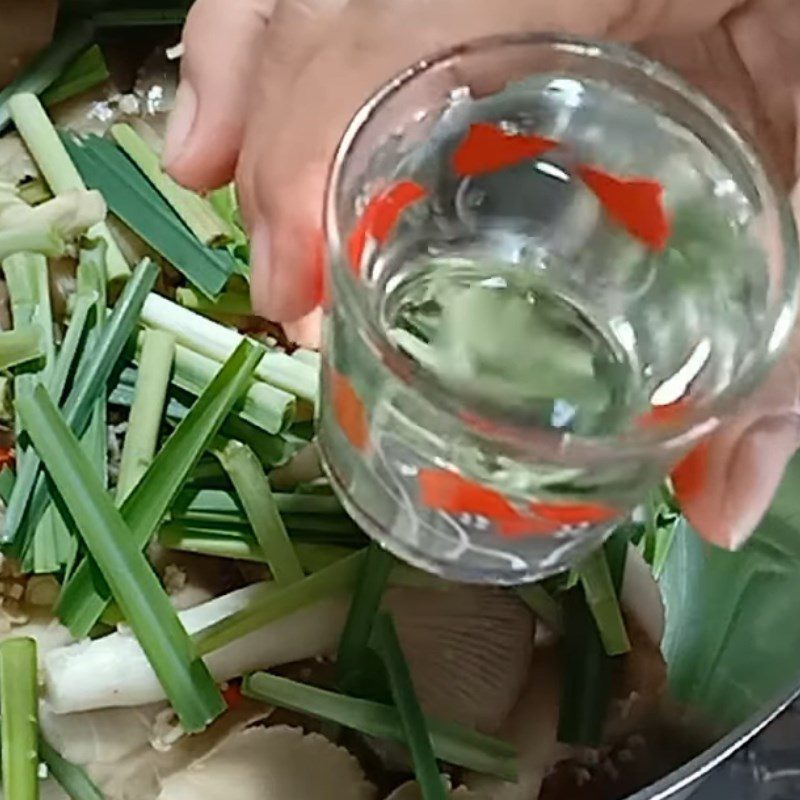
<point x="140" y="774"/>
<point x="102" y="737"/>
<point x="532" y="727"/>
<point x="468" y="647"/>
<point x="411" y="791"/>
<point x="265" y="763"/>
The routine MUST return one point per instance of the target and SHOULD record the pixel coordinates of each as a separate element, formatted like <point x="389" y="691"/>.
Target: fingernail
<point x="181" y="121"/>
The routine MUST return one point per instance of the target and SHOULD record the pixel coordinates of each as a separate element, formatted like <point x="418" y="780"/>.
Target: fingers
<point x="323" y="61"/>
<point x="222" y="47"/>
<point x="725" y="486"/>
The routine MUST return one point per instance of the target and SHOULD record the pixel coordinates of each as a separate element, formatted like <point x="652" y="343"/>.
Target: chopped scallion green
<point x="19" y="729"/>
<point x="247" y="477"/>
<point x="415" y="728"/>
<point x="451" y="743"/>
<point x="141" y="436"/>
<point x="135" y="587"/>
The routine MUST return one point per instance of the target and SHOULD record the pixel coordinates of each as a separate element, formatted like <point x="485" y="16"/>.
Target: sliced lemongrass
<point x="144" y="422"/>
<point x="48" y="152"/>
<point x="310" y="357"/>
<point x="236" y="304"/>
<point x="217" y="341"/>
<point x="336" y="579"/>
<point x="29" y="498"/>
<point x="415" y="727"/>
<point x="85" y="597"/>
<point x="451" y="743"/>
<point x="264" y="406"/>
<point x="122" y="676"/>
<point x="373" y="577"/>
<point x="18" y="718"/>
<point x="135" y="587"/>
<point x="197" y="212"/>
<point x="68" y="215"/>
<point x="252" y="486"/>
<point x="20" y="345"/>
<point x="31" y="239"/>
<point x="595" y="577"/>
<point x="138" y="204"/>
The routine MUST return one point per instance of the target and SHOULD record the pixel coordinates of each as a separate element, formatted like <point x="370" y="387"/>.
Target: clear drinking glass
<point x="553" y="269"/>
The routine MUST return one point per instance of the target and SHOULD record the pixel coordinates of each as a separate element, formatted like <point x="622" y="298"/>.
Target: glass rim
<point x="697" y="422"/>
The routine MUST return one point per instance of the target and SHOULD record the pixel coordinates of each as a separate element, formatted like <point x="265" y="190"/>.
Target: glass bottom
<point x="456" y="558"/>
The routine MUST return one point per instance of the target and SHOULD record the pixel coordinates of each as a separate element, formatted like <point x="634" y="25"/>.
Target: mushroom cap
<point x="278" y="763"/>
<point x="468" y="647"/>
<point x="411" y="791"/>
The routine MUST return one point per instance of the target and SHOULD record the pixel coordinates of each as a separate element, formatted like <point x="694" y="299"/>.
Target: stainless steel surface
<point x="759" y="760"/>
<point x="767" y="769"/>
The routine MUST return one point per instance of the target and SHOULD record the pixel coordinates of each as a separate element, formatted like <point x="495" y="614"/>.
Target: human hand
<point x="268" y="87"/>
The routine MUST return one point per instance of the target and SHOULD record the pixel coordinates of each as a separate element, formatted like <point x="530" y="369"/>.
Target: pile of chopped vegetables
<point x="199" y="610"/>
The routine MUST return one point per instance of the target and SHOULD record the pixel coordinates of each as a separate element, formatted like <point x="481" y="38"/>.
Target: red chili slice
<point x="7" y="457"/>
<point x="488" y="148"/>
<point x="232" y="694"/>
<point x="634" y="203"/>
<point x="446" y="491"/>
<point x="349" y="411"/>
<point x="380" y="216"/>
<point x="574" y="513"/>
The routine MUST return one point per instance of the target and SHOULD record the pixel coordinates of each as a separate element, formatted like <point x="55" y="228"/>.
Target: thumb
<point x="726" y="484"/>
<point x="221" y="49"/>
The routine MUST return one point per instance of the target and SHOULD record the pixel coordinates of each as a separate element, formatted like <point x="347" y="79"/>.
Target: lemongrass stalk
<point x="85" y="597"/>
<point x="135" y="587"/>
<point x="310" y="357"/>
<point x="48" y="152"/>
<point x="415" y="727"/>
<point x="336" y="579"/>
<point x="31" y="239"/>
<point x="372" y="580"/>
<point x="141" y="437"/>
<point x="252" y="486"/>
<point x="19" y="346"/>
<point x="197" y="212"/>
<point x="30" y="496"/>
<point x="601" y="596"/>
<point x="68" y="215"/>
<point x="18" y="718"/>
<point x="217" y="341"/>
<point x="113" y="671"/>
<point x="231" y="303"/>
<point x="451" y="743"/>
<point x="263" y="405"/>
